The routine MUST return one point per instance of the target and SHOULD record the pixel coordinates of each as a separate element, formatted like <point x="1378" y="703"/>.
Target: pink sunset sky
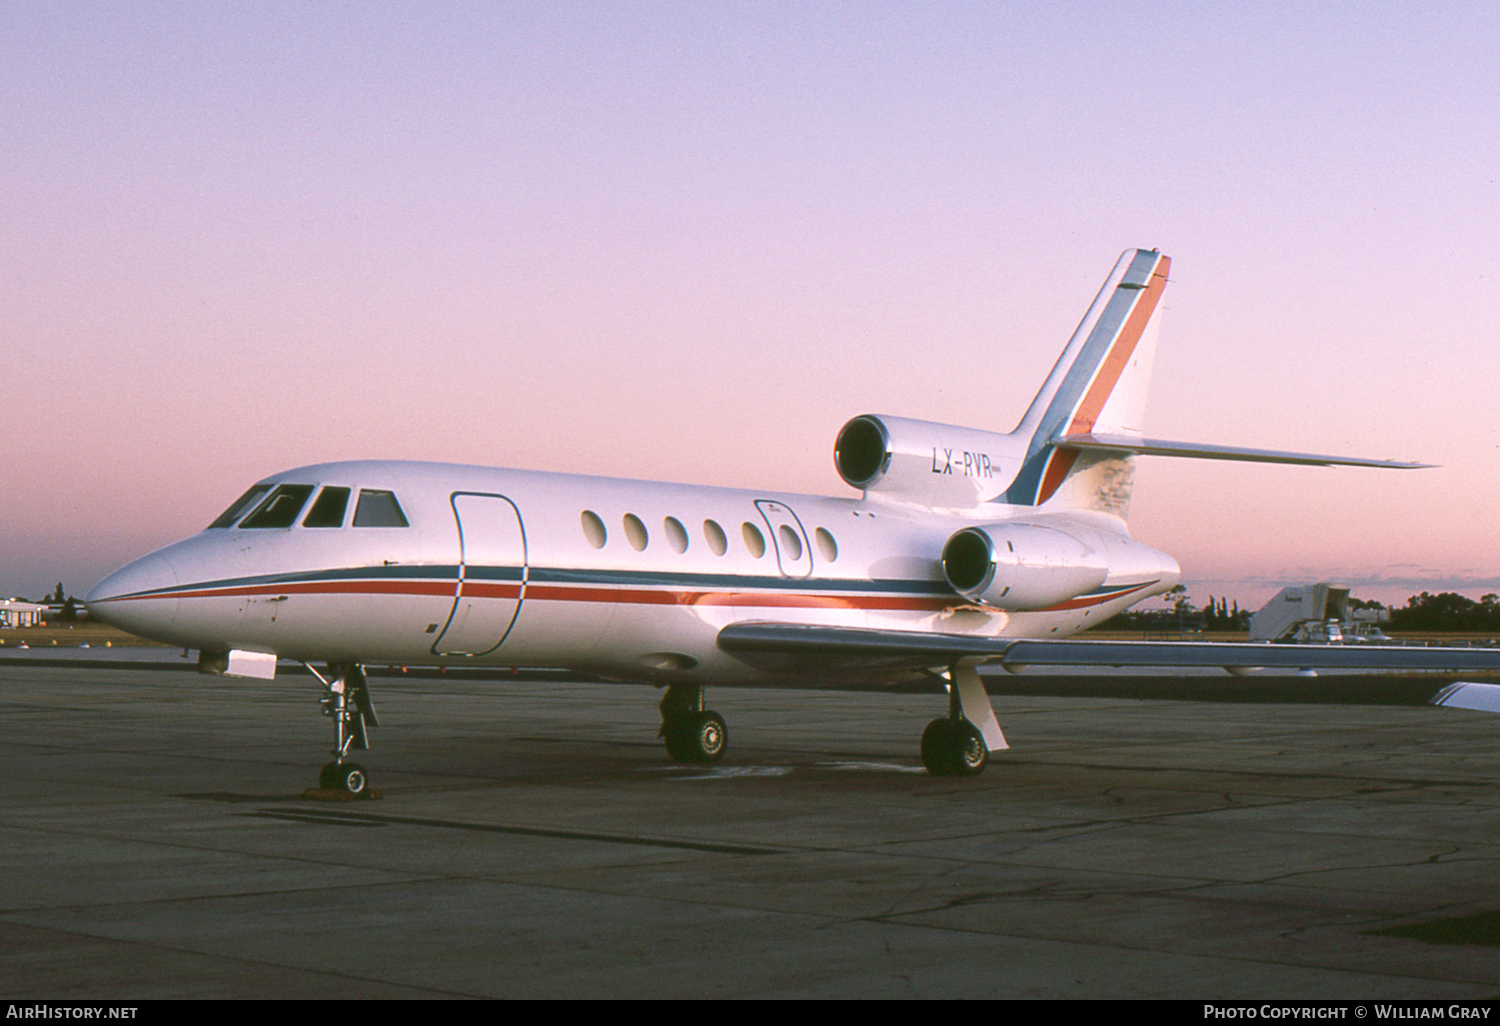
<point x="689" y="240"/>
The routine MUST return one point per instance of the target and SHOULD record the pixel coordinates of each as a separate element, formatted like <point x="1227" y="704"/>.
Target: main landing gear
<point x="347" y="701"/>
<point x="959" y="744"/>
<point x="691" y="732"/>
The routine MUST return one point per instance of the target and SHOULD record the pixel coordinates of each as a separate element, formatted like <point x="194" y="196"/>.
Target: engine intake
<point x="862" y="451"/>
<point x="1021" y="566"/>
<point x="917" y="461"/>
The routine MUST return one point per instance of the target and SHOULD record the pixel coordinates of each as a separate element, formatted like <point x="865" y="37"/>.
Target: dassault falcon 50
<point x="966" y="547"/>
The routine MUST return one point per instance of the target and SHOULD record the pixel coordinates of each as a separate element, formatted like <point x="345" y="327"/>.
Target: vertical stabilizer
<point x="1098" y="386"/>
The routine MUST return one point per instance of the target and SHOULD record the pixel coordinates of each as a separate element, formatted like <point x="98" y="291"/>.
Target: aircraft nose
<point x="137" y="598"/>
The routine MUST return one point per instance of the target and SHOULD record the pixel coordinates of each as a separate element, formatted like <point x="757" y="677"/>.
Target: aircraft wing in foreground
<point x="802" y="648"/>
<point x="1469" y="695"/>
<point x="852" y="652"/>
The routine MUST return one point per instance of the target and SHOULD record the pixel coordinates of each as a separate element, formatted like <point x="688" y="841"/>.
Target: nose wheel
<point x="348" y="777"/>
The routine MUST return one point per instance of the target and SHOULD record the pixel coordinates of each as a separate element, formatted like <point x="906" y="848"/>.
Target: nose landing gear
<point x="347" y="701"/>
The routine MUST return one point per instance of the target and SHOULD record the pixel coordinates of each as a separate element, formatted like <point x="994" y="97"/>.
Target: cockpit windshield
<point x="241" y="505"/>
<point x="278" y="506"/>
<point x="328" y="511"/>
<point x="281" y="509"/>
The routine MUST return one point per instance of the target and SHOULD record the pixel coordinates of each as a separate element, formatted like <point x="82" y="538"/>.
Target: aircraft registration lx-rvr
<point x="967" y="547"/>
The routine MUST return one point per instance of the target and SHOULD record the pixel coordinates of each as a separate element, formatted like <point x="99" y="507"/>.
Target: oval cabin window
<point x="593" y="528"/>
<point x="677" y="536"/>
<point x="827" y="547"/>
<point x="635" y="532"/>
<point x="754" y="540"/>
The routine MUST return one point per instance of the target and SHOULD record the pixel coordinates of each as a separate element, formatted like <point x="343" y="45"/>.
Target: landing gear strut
<point x="692" y="733"/>
<point x="959" y="744"/>
<point x="347" y="702"/>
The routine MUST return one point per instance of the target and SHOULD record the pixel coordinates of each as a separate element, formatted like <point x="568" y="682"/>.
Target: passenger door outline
<point x="492" y="574"/>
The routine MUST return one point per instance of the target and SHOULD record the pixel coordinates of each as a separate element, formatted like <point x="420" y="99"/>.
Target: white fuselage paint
<point x="497" y="568"/>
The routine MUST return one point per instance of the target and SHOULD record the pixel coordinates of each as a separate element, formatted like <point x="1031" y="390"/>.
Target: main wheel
<point x="696" y="737"/>
<point x="953" y="748"/>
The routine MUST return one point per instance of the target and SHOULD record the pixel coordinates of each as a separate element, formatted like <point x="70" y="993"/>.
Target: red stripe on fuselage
<point x="304" y="588"/>
<point x="567" y="593"/>
<point x="626" y="595"/>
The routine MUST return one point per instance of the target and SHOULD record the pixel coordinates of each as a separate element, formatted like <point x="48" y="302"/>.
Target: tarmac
<point x="531" y="839"/>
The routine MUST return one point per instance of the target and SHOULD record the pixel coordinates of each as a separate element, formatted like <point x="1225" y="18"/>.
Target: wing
<point x="796" y="648"/>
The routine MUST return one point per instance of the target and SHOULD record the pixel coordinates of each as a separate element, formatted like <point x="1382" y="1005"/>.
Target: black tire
<point x="937" y="748"/>
<point x="696" y="737"/>
<point x="328" y="777"/>
<point x="676" y="738"/>
<point x="953" y="748"/>
<point x="349" y="777"/>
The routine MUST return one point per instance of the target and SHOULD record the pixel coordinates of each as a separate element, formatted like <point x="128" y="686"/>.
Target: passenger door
<point x="491" y="574"/>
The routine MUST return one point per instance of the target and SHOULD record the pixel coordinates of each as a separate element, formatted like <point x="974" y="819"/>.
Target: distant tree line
<point x="1225" y="616"/>
<point x="1221" y="614"/>
<point x="1447" y="612"/>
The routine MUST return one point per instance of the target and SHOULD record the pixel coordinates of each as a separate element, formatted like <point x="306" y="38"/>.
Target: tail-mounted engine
<point x="1021" y="566"/>
<point x="916" y="461"/>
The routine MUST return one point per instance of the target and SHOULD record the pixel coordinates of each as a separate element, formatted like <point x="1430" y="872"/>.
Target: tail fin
<point x="1098" y="386"/>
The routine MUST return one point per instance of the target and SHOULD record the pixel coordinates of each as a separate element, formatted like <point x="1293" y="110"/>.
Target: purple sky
<point x="688" y="241"/>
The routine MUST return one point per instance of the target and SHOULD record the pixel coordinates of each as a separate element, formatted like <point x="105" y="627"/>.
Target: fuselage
<point x="438" y="564"/>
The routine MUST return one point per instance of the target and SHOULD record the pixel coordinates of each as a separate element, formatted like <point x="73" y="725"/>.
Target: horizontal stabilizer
<point x="1194" y="450"/>
<point x="797" y="647"/>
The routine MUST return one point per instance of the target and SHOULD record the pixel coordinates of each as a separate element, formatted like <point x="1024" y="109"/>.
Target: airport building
<point x="15" y="613"/>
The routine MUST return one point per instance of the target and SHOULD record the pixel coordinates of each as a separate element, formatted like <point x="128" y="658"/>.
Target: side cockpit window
<point x="281" y="508"/>
<point x="241" y="506"/>
<point x="328" y="510"/>
<point x="378" y="509"/>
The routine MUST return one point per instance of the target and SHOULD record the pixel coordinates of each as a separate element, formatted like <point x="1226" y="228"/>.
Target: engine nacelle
<point x="1021" y="566"/>
<point x="930" y="464"/>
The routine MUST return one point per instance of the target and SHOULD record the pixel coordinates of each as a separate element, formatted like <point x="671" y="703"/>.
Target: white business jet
<point x="967" y="547"/>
